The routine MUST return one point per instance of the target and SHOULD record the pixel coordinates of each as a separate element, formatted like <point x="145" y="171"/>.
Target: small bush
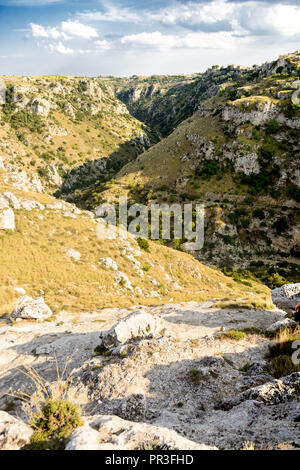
<point x="54" y="424"/>
<point x="143" y="244"/>
<point x="273" y="126"/>
<point x="195" y="376"/>
<point x="237" y="335"/>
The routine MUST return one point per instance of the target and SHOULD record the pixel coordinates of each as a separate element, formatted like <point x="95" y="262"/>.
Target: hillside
<point x="239" y="155"/>
<point x="53" y="125"/>
<point x="129" y="344"/>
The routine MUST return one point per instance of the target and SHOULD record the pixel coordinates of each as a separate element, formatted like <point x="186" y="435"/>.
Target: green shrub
<point x="237" y="335"/>
<point x="54" y="424"/>
<point x="273" y="126"/>
<point x="259" y="213"/>
<point x="195" y="376"/>
<point x="143" y="244"/>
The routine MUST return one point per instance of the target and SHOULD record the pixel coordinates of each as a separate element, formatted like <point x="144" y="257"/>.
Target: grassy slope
<point x="34" y="257"/>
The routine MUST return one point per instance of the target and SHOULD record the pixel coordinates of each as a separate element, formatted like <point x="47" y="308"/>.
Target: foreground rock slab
<point x="113" y="433"/>
<point x="14" y="433"/>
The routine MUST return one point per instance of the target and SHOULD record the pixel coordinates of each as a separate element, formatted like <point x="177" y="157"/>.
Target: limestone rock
<point x="14" y="434"/>
<point x="84" y="438"/>
<point x="30" y="205"/>
<point x="28" y="308"/>
<point x="3" y="202"/>
<point x="109" y="263"/>
<point x="41" y="107"/>
<point x="7" y="219"/>
<point x="286" y="297"/>
<point x="75" y="255"/>
<point x="12" y="200"/>
<point x="136" y="325"/>
<point x="53" y="175"/>
<point x="286" y="323"/>
<point x="271" y="393"/>
<point x="111" y="432"/>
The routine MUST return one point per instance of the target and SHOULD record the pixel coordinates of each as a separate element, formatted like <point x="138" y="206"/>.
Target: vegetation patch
<point x="54" y="424"/>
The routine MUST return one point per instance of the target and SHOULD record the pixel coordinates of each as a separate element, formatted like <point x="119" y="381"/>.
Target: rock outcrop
<point x="286" y="297"/>
<point x="113" y="433"/>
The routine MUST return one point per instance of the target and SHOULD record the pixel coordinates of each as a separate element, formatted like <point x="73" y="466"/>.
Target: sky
<point x="142" y="37"/>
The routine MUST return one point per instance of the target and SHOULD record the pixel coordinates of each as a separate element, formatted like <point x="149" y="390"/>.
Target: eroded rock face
<point x="138" y="324"/>
<point x="14" y="433"/>
<point x="286" y="297"/>
<point x="111" y="432"/>
<point x="28" y="308"/>
<point x="53" y="175"/>
<point x="41" y="107"/>
<point x="7" y="219"/>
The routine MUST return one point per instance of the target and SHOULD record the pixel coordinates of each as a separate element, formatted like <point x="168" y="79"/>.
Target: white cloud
<point x="61" y="49"/>
<point x="104" y="45"/>
<point x="113" y="14"/>
<point x="67" y="30"/>
<point x="195" y="13"/>
<point x="74" y="29"/>
<point x="270" y="19"/>
<point x="200" y="40"/>
<point x="240" y="17"/>
<point x="39" y="31"/>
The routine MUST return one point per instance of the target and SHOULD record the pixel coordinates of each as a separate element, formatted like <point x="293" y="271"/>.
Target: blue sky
<point x="119" y="37"/>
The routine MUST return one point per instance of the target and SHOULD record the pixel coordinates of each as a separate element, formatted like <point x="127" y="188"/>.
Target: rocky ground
<point x="163" y="373"/>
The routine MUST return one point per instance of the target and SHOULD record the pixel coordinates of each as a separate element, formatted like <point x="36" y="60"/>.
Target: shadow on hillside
<point x="101" y="170"/>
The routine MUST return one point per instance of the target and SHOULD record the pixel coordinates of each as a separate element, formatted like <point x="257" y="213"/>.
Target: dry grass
<point x="280" y="353"/>
<point x="34" y="258"/>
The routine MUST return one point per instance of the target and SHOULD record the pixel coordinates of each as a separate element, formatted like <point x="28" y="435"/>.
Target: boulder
<point x="14" y="434"/>
<point x="138" y="324"/>
<point x="28" y="308"/>
<point x="7" y="219"/>
<point x="286" y="297"/>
